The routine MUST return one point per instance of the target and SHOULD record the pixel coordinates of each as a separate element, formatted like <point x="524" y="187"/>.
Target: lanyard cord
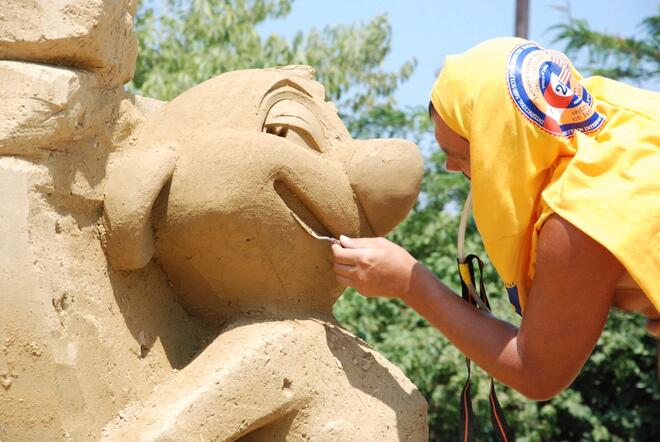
<point x="460" y="247"/>
<point x="466" y="267"/>
<point x="462" y="226"/>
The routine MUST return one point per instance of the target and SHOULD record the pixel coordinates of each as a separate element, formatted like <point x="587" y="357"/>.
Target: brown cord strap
<point x="501" y="429"/>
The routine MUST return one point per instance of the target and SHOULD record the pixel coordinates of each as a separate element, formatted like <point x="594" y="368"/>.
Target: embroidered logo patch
<point x="544" y="90"/>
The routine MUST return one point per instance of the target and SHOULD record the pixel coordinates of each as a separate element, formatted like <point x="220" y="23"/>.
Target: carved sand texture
<point x="88" y="34"/>
<point x="154" y="283"/>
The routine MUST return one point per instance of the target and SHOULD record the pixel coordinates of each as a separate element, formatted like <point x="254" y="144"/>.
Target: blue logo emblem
<point x="545" y="91"/>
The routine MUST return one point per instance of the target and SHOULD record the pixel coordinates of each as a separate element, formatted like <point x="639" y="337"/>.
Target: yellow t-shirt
<point x="544" y="140"/>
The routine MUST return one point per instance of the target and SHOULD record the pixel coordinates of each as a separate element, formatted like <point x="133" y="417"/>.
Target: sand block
<point x="88" y="34"/>
<point x="44" y="107"/>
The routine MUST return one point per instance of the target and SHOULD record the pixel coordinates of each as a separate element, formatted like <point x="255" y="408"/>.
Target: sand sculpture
<point x="154" y="283"/>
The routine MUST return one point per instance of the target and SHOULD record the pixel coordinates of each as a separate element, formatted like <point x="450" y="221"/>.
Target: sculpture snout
<point x="386" y="176"/>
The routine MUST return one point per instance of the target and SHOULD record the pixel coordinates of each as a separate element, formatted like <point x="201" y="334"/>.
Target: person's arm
<point x="567" y="307"/>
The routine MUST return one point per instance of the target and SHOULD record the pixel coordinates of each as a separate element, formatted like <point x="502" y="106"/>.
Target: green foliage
<point x="613" y="56"/>
<point x="184" y="42"/>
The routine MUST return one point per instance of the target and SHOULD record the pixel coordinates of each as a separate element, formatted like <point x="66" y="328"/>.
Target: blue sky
<point x="431" y="29"/>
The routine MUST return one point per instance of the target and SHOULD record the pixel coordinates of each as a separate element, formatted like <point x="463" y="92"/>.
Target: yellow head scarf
<point x="543" y="140"/>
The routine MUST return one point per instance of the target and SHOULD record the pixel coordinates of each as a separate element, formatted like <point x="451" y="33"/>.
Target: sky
<point x="428" y="30"/>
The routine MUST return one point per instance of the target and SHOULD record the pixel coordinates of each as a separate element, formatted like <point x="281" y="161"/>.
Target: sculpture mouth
<point x="297" y="206"/>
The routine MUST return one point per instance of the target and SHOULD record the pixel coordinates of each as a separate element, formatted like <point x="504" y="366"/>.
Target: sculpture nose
<point x="386" y="176"/>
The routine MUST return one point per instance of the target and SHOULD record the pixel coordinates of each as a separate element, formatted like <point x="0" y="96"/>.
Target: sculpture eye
<point x="294" y="121"/>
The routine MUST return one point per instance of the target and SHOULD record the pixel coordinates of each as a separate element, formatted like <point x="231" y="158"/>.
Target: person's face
<point x="456" y="147"/>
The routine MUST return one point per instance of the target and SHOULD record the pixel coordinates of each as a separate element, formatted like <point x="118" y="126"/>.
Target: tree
<point x="613" y="56"/>
<point x="184" y="42"/>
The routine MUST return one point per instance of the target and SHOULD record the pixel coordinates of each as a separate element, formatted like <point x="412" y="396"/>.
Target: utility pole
<point x="522" y="18"/>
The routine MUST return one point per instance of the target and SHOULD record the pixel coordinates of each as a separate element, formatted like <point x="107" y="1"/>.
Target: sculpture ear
<point x="131" y="190"/>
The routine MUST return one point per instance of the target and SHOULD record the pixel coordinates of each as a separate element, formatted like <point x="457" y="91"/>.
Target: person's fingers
<point x="653" y="327"/>
<point x="346" y="282"/>
<point x="344" y="270"/>
<point x="356" y="243"/>
<point x="346" y="256"/>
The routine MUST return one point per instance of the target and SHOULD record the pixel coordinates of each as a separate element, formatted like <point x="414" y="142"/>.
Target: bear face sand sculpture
<point x="242" y="152"/>
<point x="216" y="174"/>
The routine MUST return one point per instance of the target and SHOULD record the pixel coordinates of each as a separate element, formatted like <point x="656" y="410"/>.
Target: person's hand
<point x="373" y="266"/>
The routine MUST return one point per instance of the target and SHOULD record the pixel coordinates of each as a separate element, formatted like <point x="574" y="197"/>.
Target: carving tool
<point x="312" y="233"/>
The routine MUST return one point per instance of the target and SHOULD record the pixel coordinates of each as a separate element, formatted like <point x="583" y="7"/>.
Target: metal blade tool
<point x="313" y="234"/>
